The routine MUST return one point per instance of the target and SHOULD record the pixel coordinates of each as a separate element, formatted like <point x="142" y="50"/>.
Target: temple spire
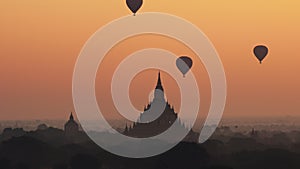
<point x="71" y="116"/>
<point x="158" y="85"/>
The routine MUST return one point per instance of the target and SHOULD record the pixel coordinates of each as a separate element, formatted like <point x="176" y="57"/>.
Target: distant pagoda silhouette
<point x="167" y="118"/>
<point x="71" y="127"/>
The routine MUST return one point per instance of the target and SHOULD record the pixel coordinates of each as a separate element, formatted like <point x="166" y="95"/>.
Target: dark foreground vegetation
<point x="49" y="149"/>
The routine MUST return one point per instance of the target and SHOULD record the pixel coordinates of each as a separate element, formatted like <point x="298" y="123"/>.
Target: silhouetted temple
<point x="142" y="128"/>
<point x="71" y="127"/>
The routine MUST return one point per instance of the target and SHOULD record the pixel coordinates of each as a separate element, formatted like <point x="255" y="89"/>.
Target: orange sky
<point x="40" y="41"/>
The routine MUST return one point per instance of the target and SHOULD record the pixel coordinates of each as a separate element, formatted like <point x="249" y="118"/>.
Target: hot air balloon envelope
<point x="261" y="52"/>
<point x="184" y="64"/>
<point x="134" y="5"/>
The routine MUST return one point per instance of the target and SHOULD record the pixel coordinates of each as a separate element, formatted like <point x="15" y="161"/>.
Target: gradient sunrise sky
<point x="40" y="42"/>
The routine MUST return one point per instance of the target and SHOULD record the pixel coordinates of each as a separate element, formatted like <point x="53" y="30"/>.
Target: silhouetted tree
<point x="84" y="161"/>
<point x="22" y="166"/>
<point x="5" y="164"/>
<point x="184" y="155"/>
<point x="220" y="167"/>
<point x="60" y="166"/>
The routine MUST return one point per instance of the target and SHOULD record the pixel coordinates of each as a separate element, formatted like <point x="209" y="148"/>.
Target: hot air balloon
<point x="184" y="64"/>
<point x="134" y="5"/>
<point x="261" y="52"/>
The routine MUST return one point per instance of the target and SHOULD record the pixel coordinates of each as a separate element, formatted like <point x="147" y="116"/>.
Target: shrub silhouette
<point x="84" y="161"/>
